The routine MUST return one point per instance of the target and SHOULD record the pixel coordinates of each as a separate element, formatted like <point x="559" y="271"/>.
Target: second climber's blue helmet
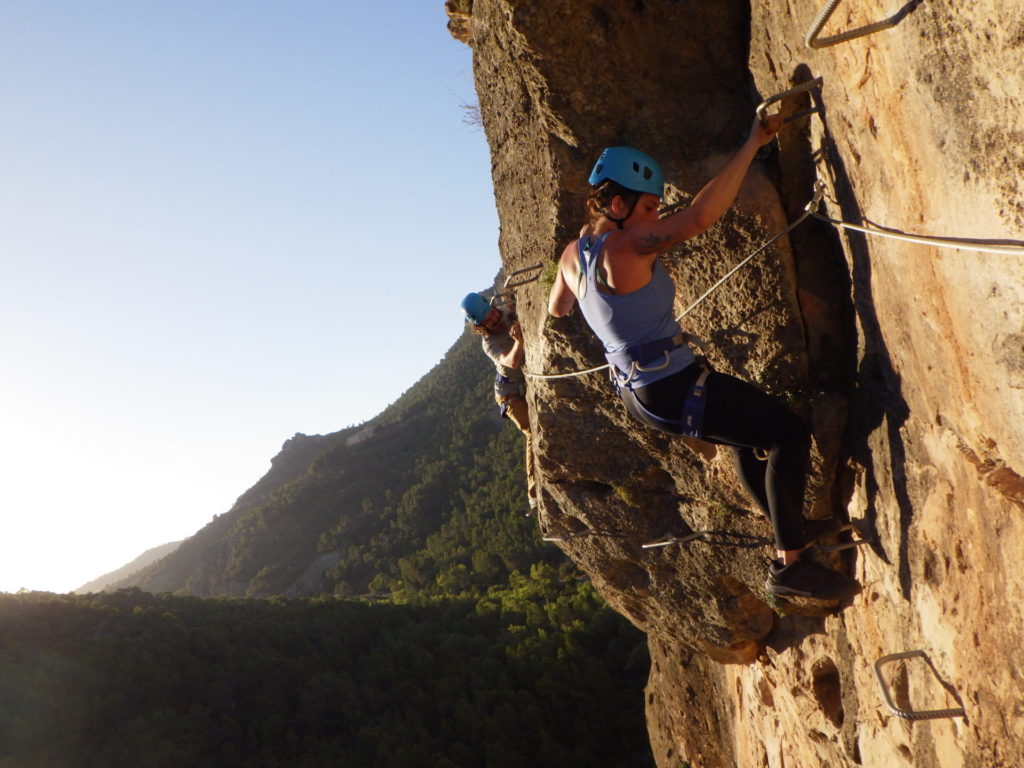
<point x="476" y="308"/>
<point x="631" y="168"/>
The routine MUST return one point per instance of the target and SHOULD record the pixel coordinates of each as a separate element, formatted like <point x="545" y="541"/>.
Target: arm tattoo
<point x="654" y="244"/>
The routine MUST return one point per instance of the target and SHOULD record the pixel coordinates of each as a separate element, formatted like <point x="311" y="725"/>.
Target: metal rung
<point x="509" y="283"/>
<point x="808" y="86"/>
<point x="670" y="538"/>
<point x="848" y="527"/>
<point x="715" y="538"/>
<point x="911" y="714"/>
<point x="843" y="545"/>
<point x="811" y="38"/>
<point x="568" y="536"/>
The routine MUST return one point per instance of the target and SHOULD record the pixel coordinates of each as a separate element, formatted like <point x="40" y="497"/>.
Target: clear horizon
<point x="220" y="225"/>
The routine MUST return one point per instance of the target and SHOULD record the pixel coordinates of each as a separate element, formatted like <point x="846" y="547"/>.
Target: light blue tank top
<point x="638" y="317"/>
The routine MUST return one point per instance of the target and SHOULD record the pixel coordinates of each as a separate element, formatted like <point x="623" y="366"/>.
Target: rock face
<point x="907" y="359"/>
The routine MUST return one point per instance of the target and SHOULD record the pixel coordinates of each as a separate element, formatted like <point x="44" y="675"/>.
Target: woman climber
<point x="626" y="297"/>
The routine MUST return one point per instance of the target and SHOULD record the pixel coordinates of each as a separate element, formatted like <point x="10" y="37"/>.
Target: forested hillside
<point x="378" y="598"/>
<point x="530" y="675"/>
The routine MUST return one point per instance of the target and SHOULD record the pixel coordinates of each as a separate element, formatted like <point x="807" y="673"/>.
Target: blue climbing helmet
<point x="476" y="308"/>
<point x="631" y="168"/>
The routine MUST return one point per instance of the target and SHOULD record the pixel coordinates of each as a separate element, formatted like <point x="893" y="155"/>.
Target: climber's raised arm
<point x="709" y="205"/>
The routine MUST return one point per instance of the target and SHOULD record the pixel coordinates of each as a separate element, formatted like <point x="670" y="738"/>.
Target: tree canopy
<point x="379" y="598"/>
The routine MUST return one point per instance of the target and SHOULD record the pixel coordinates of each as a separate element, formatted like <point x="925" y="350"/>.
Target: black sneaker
<point x="806" y="579"/>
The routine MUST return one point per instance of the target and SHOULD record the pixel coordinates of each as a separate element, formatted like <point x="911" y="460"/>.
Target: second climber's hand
<point x="763" y="131"/>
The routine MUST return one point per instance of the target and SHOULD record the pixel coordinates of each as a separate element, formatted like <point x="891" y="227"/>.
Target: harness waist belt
<point x="504" y="388"/>
<point x="646" y="353"/>
<point x="690" y="421"/>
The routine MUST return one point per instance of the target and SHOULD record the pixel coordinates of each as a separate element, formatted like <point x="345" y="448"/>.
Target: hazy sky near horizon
<point x="221" y="223"/>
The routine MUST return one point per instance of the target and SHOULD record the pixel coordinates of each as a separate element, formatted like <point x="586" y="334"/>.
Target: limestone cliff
<point x="907" y="359"/>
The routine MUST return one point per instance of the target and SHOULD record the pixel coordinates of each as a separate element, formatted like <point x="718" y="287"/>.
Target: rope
<point x="810" y="209"/>
<point x="962" y="244"/>
<point x="819" y="190"/>
<point x="565" y="375"/>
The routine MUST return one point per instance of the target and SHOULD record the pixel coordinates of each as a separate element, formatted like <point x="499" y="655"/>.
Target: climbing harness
<point x="810" y="85"/>
<point x="505" y="389"/>
<point x="811" y="38"/>
<point x="691" y="419"/>
<point x="641" y="357"/>
<point x="911" y="714"/>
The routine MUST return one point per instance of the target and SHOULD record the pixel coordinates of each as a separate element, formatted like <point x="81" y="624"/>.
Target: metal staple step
<point x="912" y="714"/>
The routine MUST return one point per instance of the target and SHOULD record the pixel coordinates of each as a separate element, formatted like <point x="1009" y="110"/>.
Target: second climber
<point x="502" y="341"/>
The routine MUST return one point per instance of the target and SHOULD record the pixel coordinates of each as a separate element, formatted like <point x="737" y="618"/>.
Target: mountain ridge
<point x="394" y="503"/>
<point x="150" y="556"/>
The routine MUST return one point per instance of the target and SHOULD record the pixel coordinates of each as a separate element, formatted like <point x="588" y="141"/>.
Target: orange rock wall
<point x="907" y="359"/>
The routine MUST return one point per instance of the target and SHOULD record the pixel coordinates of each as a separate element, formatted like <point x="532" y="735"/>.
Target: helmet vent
<point x="629" y="168"/>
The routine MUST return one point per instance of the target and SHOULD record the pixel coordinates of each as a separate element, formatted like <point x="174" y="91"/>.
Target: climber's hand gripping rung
<point x="808" y="86"/>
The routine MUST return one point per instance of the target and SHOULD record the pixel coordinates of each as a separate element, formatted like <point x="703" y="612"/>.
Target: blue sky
<point x="221" y="223"/>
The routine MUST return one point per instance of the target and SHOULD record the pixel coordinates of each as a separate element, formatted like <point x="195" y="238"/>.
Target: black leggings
<point x="740" y="415"/>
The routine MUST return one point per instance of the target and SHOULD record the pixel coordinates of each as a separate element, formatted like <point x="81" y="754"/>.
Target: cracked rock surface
<point x="906" y="359"/>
